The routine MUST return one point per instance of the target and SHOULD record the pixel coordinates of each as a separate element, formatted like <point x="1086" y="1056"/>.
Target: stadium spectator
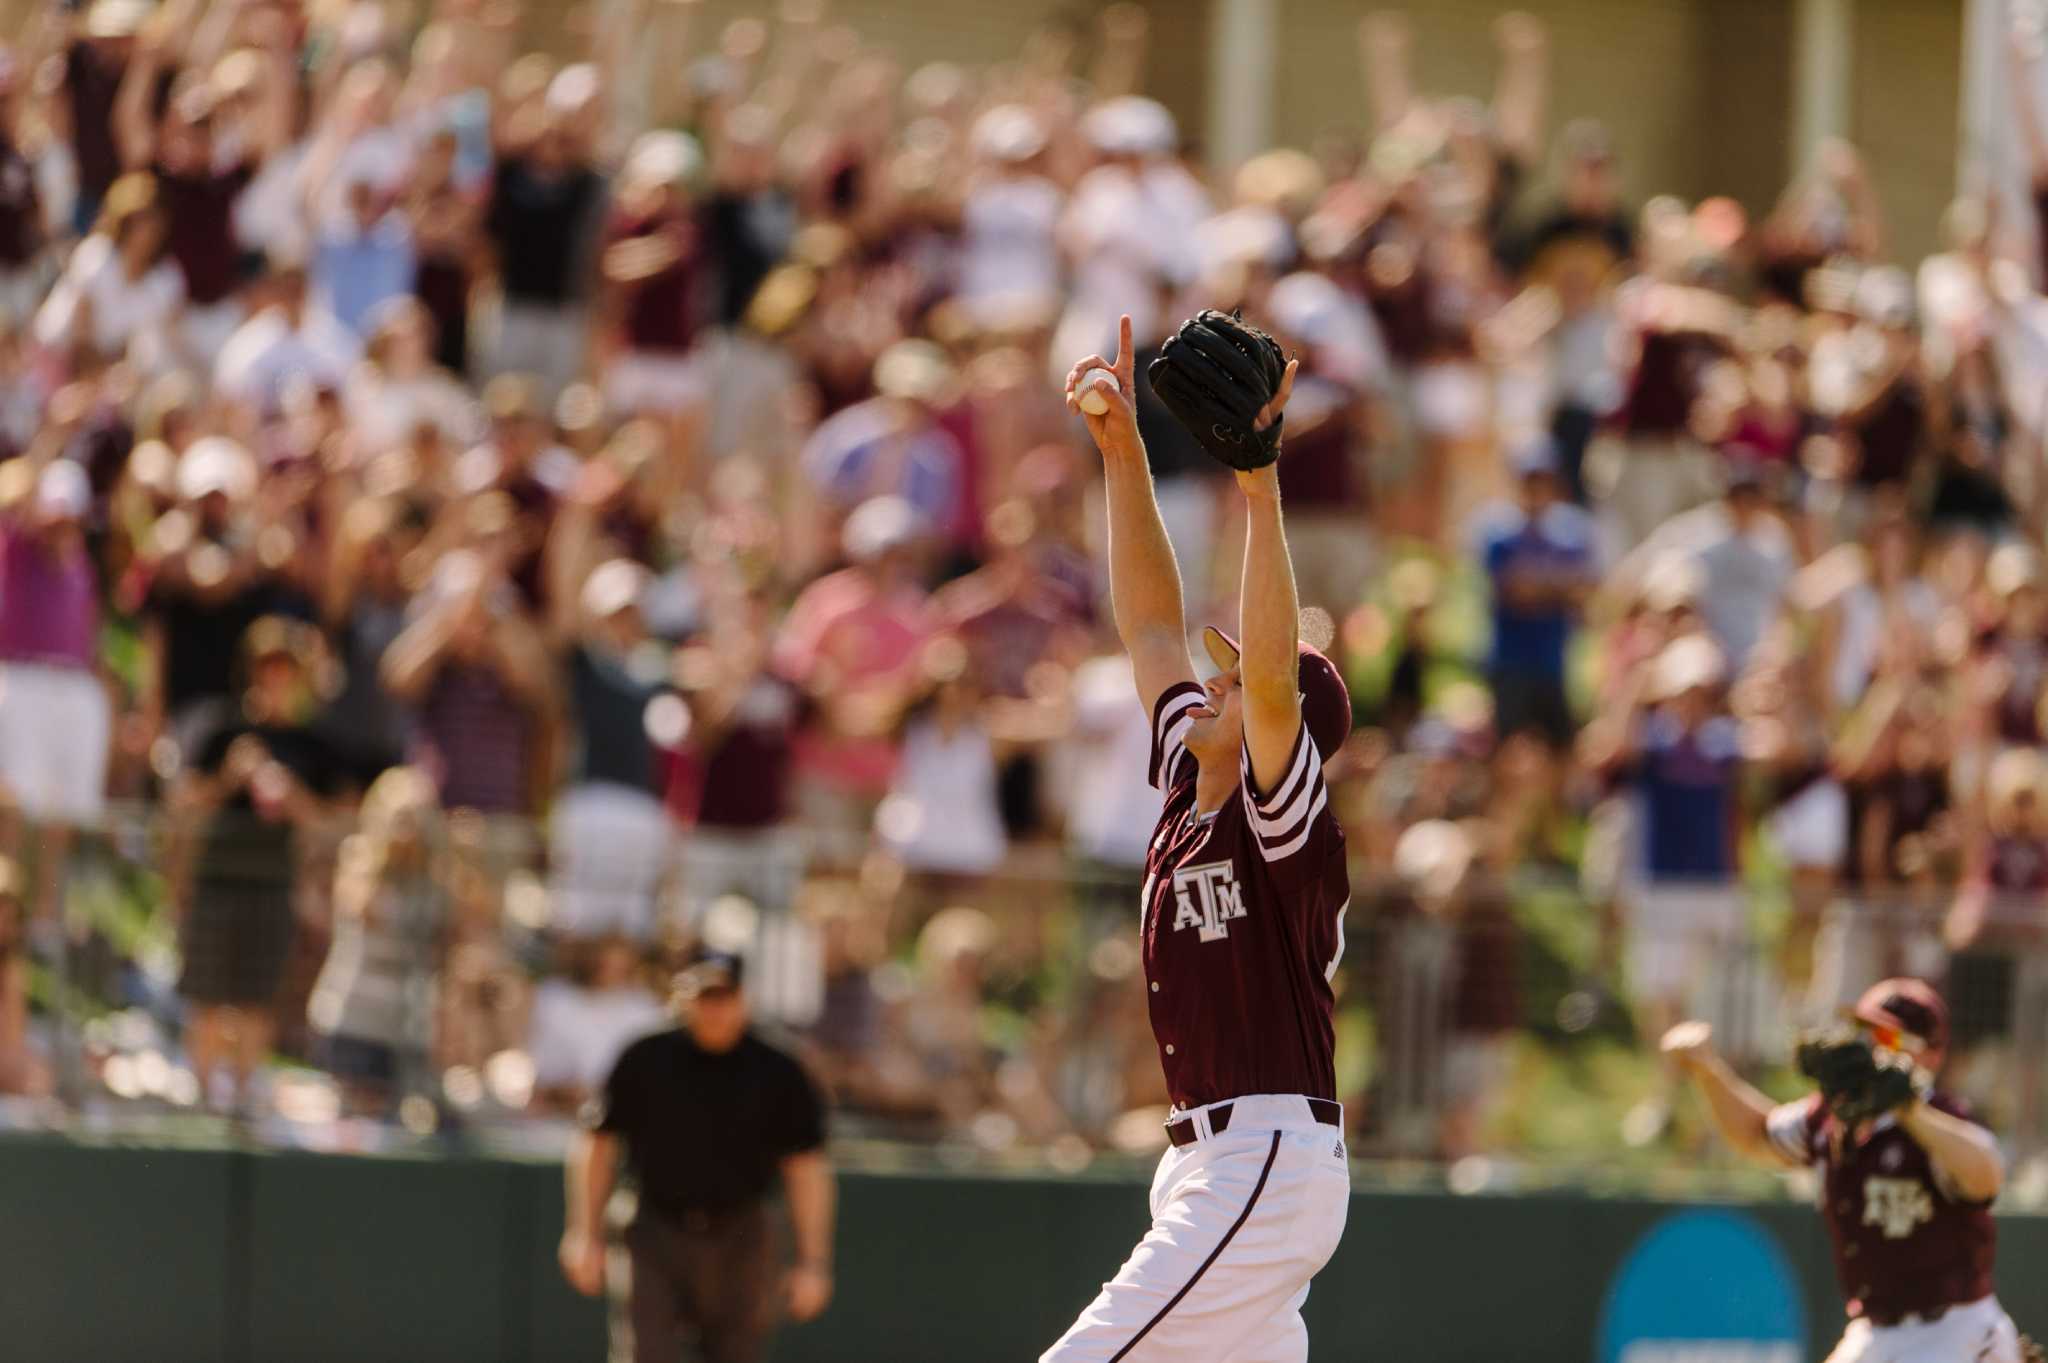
<point x="477" y="672"/>
<point x="610" y="837"/>
<point x="777" y="389"/>
<point x="55" y="724"/>
<point x="737" y="777"/>
<point x="1539" y="555"/>
<point x="253" y="787"/>
<point x="22" y="1070"/>
<point x="373" y="1006"/>
<point x="542" y="225"/>
<point x="581" y="1021"/>
<point x="1676" y="746"/>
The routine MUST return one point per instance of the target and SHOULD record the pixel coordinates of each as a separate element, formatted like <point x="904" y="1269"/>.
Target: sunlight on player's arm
<point x="1964" y="1154"/>
<point x="1741" y="1112"/>
<point x="1144" y="579"/>
<point x="1269" y="614"/>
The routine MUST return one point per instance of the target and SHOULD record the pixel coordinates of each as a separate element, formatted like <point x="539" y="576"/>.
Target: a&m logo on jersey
<point x="1206" y="898"/>
<point x="1897" y="1205"/>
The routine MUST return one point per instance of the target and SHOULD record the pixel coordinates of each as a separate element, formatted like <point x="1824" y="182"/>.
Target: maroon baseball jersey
<point x="1904" y="1244"/>
<point x="1243" y="923"/>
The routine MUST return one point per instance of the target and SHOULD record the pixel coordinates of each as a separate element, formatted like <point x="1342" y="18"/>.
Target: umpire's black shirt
<point x="708" y="1132"/>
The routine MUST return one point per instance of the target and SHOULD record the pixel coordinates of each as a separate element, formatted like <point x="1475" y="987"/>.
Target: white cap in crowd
<point x="1008" y="132"/>
<point x="663" y="157"/>
<point x="215" y="463"/>
<point x="63" y="490"/>
<point x="613" y="586"/>
<point x="878" y="525"/>
<point x="1131" y="126"/>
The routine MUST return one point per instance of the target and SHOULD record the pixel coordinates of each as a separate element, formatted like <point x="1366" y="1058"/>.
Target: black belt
<point x="1185" y="1132"/>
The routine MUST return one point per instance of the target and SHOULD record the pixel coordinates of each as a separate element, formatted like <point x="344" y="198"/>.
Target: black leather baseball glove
<point x="1857" y="1080"/>
<point x="1215" y="375"/>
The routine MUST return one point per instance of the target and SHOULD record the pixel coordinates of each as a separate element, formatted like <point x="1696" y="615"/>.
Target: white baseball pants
<point x="1240" y="1222"/>
<point x="1978" y="1333"/>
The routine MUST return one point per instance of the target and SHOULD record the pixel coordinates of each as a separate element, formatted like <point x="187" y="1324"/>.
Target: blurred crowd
<point x="474" y="523"/>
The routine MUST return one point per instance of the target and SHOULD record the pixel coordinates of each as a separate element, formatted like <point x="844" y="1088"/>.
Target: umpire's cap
<point x="1325" y="700"/>
<point x="710" y="971"/>
<point x="1909" y="1007"/>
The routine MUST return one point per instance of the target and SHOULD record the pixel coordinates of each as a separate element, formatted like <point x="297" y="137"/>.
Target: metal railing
<point x="429" y="994"/>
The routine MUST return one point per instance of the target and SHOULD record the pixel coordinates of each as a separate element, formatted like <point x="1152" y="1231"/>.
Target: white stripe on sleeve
<point x="1786" y="1128"/>
<point x="1170" y="730"/>
<point x="1283" y="820"/>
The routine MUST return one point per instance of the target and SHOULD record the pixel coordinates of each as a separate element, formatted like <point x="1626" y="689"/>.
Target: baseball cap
<point x="1008" y="132"/>
<point x="710" y="971"/>
<point x="878" y="525"/>
<point x="914" y="369"/>
<point x="613" y="586"/>
<point x="1909" y="1007"/>
<point x="1131" y="125"/>
<point x="1686" y="664"/>
<point x="117" y="18"/>
<point x="1533" y="455"/>
<point x="63" y="490"/>
<point x="216" y="464"/>
<point x="1325" y="700"/>
<point x="663" y="157"/>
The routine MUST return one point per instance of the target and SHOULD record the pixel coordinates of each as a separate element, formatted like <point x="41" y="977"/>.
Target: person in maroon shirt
<point x="1906" y="1197"/>
<point x="1242" y="927"/>
<point x="181" y="144"/>
<point x="656" y="281"/>
<point x="93" y="65"/>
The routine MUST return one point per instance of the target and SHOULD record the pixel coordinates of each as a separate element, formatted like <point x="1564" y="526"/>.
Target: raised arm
<point x="1269" y="614"/>
<point x="2022" y="53"/>
<point x="1521" y="92"/>
<point x="1384" y="39"/>
<point x="1741" y="1112"/>
<point x="134" y="120"/>
<point x="1964" y="1154"/>
<point x="1144" y="580"/>
<point x="1119" y="67"/>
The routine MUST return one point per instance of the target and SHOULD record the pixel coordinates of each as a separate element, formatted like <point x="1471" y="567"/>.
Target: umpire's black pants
<point x="702" y="1288"/>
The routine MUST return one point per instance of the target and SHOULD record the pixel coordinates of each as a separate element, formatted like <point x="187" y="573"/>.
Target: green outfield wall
<point x="112" y="1254"/>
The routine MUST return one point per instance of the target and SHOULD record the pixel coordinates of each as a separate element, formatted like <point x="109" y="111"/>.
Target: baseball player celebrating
<point x="1245" y="889"/>
<point x="1907" y="1178"/>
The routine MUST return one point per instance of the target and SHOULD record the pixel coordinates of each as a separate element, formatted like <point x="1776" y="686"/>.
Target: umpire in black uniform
<point x="709" y="1117"/>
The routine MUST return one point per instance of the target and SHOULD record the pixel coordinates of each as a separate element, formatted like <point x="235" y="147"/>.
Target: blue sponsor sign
<point x="1704" y="1287"/>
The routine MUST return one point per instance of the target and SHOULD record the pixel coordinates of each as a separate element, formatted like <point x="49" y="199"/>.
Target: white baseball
<point x="1093" y="402"/>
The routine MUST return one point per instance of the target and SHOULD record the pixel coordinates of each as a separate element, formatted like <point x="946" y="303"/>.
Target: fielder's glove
<point x="1215" y="375"/>
<point x="1859" y="1081"/>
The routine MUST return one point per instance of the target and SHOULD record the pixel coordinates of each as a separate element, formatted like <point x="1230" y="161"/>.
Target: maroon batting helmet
<point x="1909" y="1008"/>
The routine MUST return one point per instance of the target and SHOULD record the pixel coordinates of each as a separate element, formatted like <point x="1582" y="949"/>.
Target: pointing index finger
<point x="1126" y="358"/>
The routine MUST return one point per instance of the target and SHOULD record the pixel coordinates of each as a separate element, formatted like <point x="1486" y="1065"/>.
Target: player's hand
<point x="1689" y="1043"/>
<point x="1116" y="430"/>
<point x="807" y="1289"/>
<point x="1265" y="482"/>
<point x="582" y="1258"/>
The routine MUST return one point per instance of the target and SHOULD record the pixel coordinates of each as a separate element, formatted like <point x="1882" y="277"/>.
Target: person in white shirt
<point x="120" y="286"/>
<point x="288" y="339"/>
<point x="1131" y="222"/>
<point x="942" y="814"/>
<point x="398" y="388"/>
<point x="579" y="1025"/>
<point x="1010" y="214"/>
